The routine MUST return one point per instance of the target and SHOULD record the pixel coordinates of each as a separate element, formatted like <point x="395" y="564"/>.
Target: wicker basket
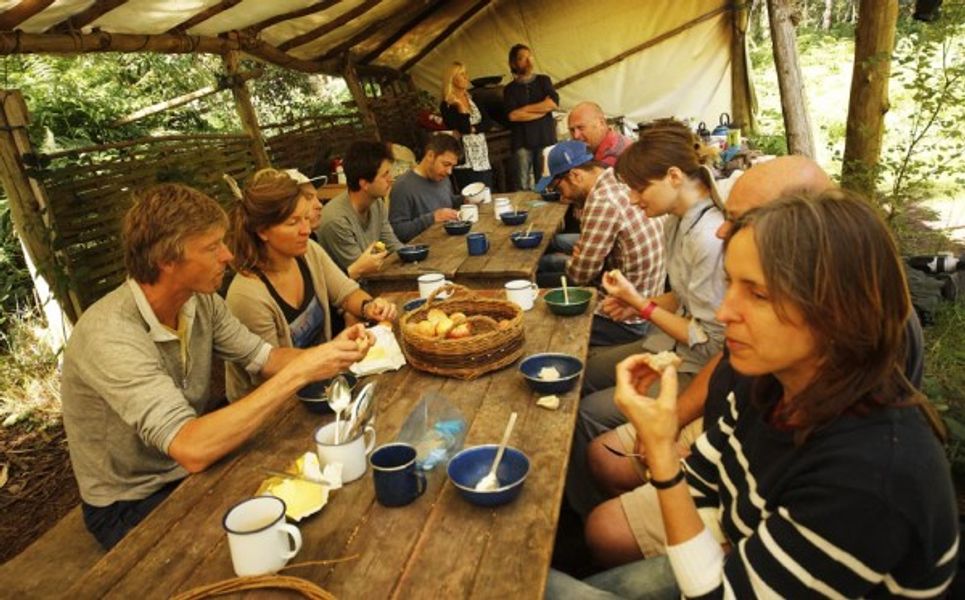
<point x="488" y="349"/>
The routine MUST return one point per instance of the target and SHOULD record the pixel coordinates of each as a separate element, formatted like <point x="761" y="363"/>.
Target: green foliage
<point x="29" y="380"/>
<point x="16" y="289"/>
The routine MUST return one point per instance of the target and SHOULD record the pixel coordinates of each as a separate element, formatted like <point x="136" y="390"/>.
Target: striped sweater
<point x="864" y="508"/>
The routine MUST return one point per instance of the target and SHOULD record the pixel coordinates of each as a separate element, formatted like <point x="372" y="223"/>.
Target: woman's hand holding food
<point x="619" y="287"/>
<point x="655" y="419"/>
<point x="380" y="310"/>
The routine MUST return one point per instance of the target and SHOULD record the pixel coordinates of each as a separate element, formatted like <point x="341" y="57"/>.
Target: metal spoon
<point x="361" y="410"/>
<point x="490" y="482"/>
<point x="339" y="396"/>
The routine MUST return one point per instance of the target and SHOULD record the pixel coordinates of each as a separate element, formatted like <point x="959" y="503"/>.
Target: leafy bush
<point x="16" y="288"/>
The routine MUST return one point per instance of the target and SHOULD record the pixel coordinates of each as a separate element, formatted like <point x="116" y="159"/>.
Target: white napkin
<point x="385" y="355"/>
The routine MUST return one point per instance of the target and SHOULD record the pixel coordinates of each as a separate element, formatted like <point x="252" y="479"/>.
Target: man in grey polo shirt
<point x="137" y="367"/>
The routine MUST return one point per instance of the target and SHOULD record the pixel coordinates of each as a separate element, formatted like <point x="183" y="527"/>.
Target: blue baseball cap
<point x="563" y="157"/>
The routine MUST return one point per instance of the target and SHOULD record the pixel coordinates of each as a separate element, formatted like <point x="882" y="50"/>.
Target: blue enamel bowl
<point x="414" y="253"/>
<point x="472" y="464"/>
<point x="457" y="227"/>
<point x="569" y="368"/>
<point x="514" y="218"/>
<point x="411" y="305"/>
<point x="521" y="240"/>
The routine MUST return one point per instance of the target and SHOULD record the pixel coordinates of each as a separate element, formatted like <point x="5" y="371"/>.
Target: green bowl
<point x="579" y="300"/>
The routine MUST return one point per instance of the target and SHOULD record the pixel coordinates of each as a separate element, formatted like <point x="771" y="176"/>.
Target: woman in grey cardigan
<point x="286" y="282"/>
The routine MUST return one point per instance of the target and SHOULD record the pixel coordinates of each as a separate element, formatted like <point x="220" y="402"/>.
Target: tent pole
<point x="742" y="103"/>
<point x="797" y="122"/>
<point x="361" y="101"/>
<point x="874" y="44"/>
<point x="29" y="208"/>
<point x="249" y="120"/>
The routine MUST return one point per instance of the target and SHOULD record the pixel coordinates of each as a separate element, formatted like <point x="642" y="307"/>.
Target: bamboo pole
<point x="29" y="210"/>
<point x="797" y="121"/>
<point x="249" y="119"/>
<point x="874" y="43"/>
<point x="361" y="100"/>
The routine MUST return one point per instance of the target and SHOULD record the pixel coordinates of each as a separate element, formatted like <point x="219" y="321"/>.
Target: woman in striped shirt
<point x="823" y="472"/>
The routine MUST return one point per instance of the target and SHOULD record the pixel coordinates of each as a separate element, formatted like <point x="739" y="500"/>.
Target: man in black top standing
<point x="530" y="100"/>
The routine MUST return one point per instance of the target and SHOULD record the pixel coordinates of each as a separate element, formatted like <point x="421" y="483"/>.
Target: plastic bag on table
<point x="436" y="429"/>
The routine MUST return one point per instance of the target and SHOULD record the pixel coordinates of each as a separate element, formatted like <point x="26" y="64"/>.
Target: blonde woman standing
<point x="461" y="114"/>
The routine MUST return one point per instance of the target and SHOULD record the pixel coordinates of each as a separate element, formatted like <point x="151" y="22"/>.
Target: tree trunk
<point x="826" y="17"/>
<point x="249" y="120"/>
<point x="797" y="122"/>
<point x="874" y="44"/>
<point x="351" y="77"/>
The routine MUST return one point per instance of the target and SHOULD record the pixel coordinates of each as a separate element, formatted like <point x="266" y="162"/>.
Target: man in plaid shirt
<point x="613" y="235"/>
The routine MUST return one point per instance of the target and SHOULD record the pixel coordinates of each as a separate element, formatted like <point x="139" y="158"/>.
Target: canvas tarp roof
<point x="687" y="75"/>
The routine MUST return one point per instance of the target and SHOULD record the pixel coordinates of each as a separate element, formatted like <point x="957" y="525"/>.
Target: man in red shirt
<point x="588" y="124"/>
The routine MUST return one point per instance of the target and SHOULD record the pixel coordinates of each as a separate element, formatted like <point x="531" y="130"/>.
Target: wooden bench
<point x="49" y="565"/>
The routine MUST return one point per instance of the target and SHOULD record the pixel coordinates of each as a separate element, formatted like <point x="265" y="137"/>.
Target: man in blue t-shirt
<point x="423" y="195"/>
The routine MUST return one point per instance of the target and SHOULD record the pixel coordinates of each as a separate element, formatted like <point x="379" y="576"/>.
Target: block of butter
<point x="549" y="402"/>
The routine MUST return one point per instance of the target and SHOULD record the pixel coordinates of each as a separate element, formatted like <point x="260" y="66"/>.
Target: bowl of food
<point x="470" y="465"/>
<point x="457" y="227"/>
<point x="314" y="396"/>
<point x="524" y="240"/>
<point x="569" y="304"/>
<point x="414" y="252"/>
<point x="551" y="372"/>
<point x="514" y="217"/>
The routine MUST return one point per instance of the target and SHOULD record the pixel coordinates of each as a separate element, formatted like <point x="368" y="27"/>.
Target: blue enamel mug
<point x="478" y="243"/>
<point x="397" y="479"/>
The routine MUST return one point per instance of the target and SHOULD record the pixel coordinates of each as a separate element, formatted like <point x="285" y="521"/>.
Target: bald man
<point x="629" y="527"/>
<point x="588" y="124"/>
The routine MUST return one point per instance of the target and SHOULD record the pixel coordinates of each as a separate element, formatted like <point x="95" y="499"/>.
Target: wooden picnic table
<point x="448" y="253"/>
<point x="440" y="545"/>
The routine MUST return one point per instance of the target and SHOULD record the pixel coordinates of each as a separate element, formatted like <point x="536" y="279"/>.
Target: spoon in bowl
<point x="490" y="482"/>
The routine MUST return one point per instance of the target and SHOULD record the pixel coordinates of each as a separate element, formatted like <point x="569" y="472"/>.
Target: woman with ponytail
<point x="286" y="282"/>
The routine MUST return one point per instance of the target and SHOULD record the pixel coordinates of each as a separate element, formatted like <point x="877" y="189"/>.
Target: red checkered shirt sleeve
<point x="600" y="225"/>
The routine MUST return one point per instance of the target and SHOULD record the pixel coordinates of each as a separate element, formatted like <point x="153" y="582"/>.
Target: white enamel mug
<point x="522" y="292"/>
<point x="351" y="454"/>
<point x="502" y="205"/>
<point x="429" y="283"/>
<point x="469" y="212"/>
<point x="259" y="539"/>
<point x="477" y="193"/>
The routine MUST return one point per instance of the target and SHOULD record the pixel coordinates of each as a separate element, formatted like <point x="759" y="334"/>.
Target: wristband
<point x="666" y="484"/>
<point x="647" y="310"/>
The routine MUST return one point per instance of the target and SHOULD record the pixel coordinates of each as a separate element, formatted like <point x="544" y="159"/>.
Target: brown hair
<point x="157" y="225"/>
<point x="833" y="258"/>
<point x="663" y="144"/>
<point x="270" y="197"/>
<point x="440" y="143"/>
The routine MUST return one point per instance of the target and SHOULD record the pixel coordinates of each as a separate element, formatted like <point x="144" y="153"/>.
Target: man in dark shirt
<point x="530" y="101"/>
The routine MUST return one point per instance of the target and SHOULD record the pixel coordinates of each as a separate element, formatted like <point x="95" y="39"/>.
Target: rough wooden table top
<point x="438" y="546"/>
<point x="449" y="255"/>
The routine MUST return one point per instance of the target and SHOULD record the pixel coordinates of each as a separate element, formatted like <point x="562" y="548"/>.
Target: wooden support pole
<point x="790" y="82"/>
<point x="361" y="101"/>
<point x="20" y="12"/>
<point x="874" y="43"/>
<point x="28" y="201"/>
<point x="246" y="111"/>
<point x="185" y="98"/>
<point x="742" y="101"/>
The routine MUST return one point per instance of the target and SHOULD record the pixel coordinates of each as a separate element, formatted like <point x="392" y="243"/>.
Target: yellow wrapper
<point x="302" y="498"/>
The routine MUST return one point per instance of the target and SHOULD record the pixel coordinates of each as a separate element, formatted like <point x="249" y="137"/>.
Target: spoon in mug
<point x="339" y="398"/>
<point x="490" y="482"/>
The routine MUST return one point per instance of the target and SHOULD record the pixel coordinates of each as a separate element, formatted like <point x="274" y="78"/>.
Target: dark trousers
<point x="109" y="524"/>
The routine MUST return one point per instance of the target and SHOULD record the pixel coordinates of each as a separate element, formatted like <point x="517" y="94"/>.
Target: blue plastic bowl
<point x="569" y="367"/>
<point x="521" y="240"/>
<point x="314" y="396"/>
<point x="457" y="227"/>
<point x="413" y="304"/>
<point x="470" y="465"/>
<point x="514" y="218"/>
<point x="414" y="253"/>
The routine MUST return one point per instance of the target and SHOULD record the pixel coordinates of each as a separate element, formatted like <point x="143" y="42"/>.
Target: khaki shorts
<point x="641" y="506"/>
